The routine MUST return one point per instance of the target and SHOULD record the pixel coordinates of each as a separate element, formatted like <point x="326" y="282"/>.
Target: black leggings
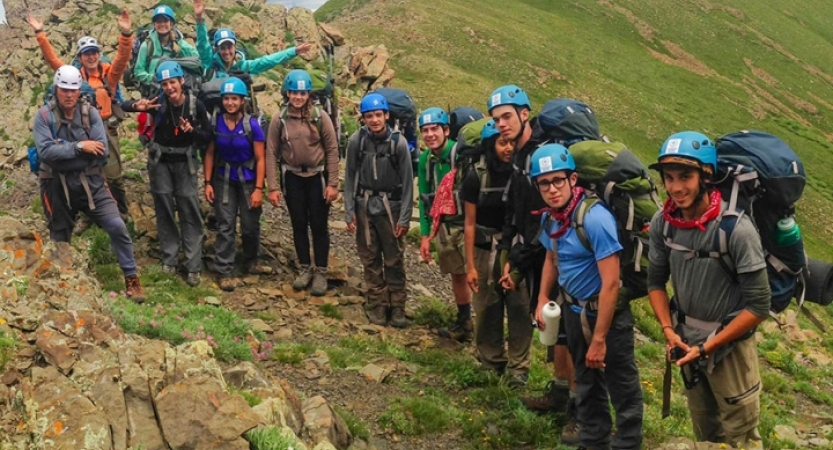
<point x="308" y="210"/>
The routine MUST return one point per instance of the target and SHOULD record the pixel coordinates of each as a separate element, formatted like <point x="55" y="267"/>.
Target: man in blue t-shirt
<point x="599" y="335"/>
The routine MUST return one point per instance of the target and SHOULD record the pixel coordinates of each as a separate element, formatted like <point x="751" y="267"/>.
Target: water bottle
<point x="552" y="314"/>
<point x="788" y="232"/>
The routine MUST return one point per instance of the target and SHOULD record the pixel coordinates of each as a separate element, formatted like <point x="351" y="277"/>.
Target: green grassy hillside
<point x="650" y="68"/>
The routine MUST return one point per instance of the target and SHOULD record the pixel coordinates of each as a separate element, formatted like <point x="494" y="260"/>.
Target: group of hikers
<point x="513" y="226"/>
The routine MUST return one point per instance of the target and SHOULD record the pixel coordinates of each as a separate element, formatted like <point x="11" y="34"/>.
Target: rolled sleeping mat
<point x="820" y="283"/>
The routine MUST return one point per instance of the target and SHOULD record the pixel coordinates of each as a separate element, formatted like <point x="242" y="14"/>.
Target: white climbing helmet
<point x="87" y="43"/>
<point x="67" y="77"/>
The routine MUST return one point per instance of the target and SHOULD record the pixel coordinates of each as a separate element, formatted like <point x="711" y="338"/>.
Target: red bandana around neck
<point x="563" y="216"/>
<point x="712" y="212"/>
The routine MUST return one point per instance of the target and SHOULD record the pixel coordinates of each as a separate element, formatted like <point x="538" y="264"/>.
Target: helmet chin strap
<point x="569" y="200"/>
<point x="523" y="126"/>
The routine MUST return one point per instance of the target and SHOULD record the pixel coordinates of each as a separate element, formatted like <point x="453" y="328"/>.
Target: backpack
<point x="192" y="69"/>
<point x="758" y="169"/>
<point x="117" y="96"/>
<point x="227" y="165"/>
<point x="403" y="119"/>
<point x="613" y="176"/>
<point x="460" y="116"/>
<point x="392" y="192"/>
<point x="129" y="79"/>
<point x="87" y="94"/>
<point x="566" y="121"/>
<point x="32" y="152"/>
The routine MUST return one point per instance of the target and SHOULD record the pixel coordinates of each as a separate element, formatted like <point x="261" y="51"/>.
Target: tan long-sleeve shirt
<point x="301" y="145"/>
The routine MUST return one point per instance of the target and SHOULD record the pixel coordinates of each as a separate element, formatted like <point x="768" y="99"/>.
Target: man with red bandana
<point x="709" y="323"/>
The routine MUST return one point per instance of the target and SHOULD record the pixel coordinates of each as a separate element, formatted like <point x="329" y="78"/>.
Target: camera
<point x="677" y="353"/>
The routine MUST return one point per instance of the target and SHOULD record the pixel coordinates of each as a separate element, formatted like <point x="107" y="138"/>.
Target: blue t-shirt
<point x="578" y="272"/>
<point x="233" y="146"/>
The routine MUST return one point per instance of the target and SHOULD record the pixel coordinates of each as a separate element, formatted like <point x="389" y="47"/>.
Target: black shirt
<point x="490" y="213"/>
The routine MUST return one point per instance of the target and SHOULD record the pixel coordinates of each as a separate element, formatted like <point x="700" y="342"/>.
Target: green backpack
<point x="612" y="175"/>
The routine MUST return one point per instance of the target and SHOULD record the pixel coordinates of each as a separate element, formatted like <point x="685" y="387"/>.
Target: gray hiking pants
<point x="226" y="214"/>
<point x="617" y="384"/>
<point x="383" y="258"/>
<point x="489" y="307"/>
<point x="60" y="215"/>
<point x="174" y="191"/>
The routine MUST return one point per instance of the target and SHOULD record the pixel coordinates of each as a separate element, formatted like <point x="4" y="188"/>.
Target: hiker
<point x="600" y="336"/>
<point x="223" y="56"/>
<point x="235" y="168"/>
<point x="164" y="40"/>
<point x="104" y="77"/>
<point x="720" y="370"/>
<point x="178" y="125"/>
<point x="378" y="193"/>
<point x="434" y="164"/>
<point x="71" y="144"/>
<point x="303" y="145"/>
<point x="484" y="214"/>
<point x="510" y="107"/>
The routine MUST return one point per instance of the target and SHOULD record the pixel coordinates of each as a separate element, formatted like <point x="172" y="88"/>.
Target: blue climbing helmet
<point x="508" y="95"/>
<point x="489" y="130"/>
<point x="164" y="10"/>
<point x="234" y="86"/>
<point x="551" y="158"/>
<point x="688" y="148"/>
<point x="224" y="35"/>
<point x="432" y="116"/>
<point x="297" y="80"/>
<point x="168" y="69"/>
<point x="373" y="102"/>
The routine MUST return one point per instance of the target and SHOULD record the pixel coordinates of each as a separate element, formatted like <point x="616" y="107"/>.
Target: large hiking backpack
<point x="460" y="116"/>
<point x="141" y="35"/>
<point x="566" y="121"/>
<point x="758" y="174"/>
<point x="403" y="118"/>
<point x="209" y="94"/>
<point x="87" y="94"/>
<point x="49" y="116"/>
<point x="612" y="175"/>
<point x="119" y="96"/>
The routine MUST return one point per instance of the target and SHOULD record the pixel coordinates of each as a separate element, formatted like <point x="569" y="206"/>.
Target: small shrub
<point x="357" y="428"/>
<point x="270" y="438"/>
<point x="8" y="346"/>
<point x="99" y="249"/>
<point x="251" y="399"/>
<point x="415" y="416"/>
<point x="331" y="311"/>
<point x="434" y="313"/>
<point x="291" y="353"/>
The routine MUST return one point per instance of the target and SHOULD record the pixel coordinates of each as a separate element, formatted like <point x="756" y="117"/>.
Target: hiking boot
<point x="259" y="269"/>
<point x="460" y="331"/>
<point x="517" y="381"/>
<point x="133" y="289"/>
<point x="193" y="279"/>
<point x="168" y="270"/>
<point x="570" y="434"/>
<point x="397" y="318"/>
<point x="553" y="400"/>
<point x="319" y="282"/>
<point x="228" y="284"/>
<point x="377" y="315"/>
<point x="304" y="279"/>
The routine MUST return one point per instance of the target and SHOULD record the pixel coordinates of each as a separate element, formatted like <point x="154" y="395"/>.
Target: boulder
<point x="334" y="34"/>
<point x="301" y="23"/>
<point x="323" y="423"/>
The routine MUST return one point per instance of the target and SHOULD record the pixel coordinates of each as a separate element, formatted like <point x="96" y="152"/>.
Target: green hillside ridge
<point x="649" y="68"/>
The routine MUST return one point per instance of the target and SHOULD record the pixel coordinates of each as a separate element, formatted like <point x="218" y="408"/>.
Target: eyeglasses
<point x="546" y="185"/>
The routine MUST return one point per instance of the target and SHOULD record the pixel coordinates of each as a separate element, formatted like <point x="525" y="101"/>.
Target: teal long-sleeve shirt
<point x="212" y="61"/>
<point x="145" y="71"/>
<point x="442" y="165"/>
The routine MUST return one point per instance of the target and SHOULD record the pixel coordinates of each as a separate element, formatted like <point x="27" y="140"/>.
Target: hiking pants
<point x="308" y="211"/>
<point x="113" y="170"/>
<point x="489" y="308"/>
<point x="726" y="405"/>
<point x="383" y="258"/>
<point x="618" y="383"/>
<point x="60" y="216"/>
<point x="227" y="214"/>
<point x="174" y="191"/>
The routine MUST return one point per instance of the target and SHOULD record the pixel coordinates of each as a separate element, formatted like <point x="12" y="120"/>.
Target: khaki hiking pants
<point x="383" y="258"/>
<point x="726" y="405"/>
<point x="113" y="171"/>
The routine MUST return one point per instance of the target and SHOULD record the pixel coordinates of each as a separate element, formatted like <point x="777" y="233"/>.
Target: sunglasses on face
<point x="546" y="185"/>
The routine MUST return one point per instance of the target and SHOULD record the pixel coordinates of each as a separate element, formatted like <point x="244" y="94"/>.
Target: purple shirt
<point x="233" y="146"/>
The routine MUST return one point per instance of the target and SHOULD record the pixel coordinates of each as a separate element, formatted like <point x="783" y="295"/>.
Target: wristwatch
<point x="703" y="355"/>
<point x="79" y="146"/>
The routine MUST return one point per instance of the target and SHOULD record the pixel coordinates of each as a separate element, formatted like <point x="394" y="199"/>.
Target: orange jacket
<point x="113" y="71"/>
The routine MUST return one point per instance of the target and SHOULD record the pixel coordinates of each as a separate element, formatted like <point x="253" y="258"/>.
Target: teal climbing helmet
<point x="234" y="86"/>
<point x="168" y="69"/>
<point x="164" y="10"/>
<point x="297" y="80"/>
<point x="373" y="102"/>
<point x="508" y="95"/>
<point x="224" y="35"/>
<point x="688" y="148"/>
<point x="433" y="115"/>
<point x="489" y="130"/>
<point x="551" y="158"/>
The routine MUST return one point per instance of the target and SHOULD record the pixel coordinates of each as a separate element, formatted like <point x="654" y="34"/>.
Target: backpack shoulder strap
<point x="85" y="117"/>
<point x="192" y="104"/>
<point x="247" y="128"/>
<point x="720" y="247"/>
<point x="316" y="118"/>
<point x="394" y="141"/>
<point x="579" y="218"/>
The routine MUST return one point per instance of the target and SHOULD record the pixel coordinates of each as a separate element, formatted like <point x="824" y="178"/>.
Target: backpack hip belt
<point x="46" y="173"/>
<point x="156" y="150"/>
<point x="386" y="199"/>
<point x="303" y="169"/>
<point x="394" y="194"/>
<point x="228" y="166"/>
<point x="590" y="304"/>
